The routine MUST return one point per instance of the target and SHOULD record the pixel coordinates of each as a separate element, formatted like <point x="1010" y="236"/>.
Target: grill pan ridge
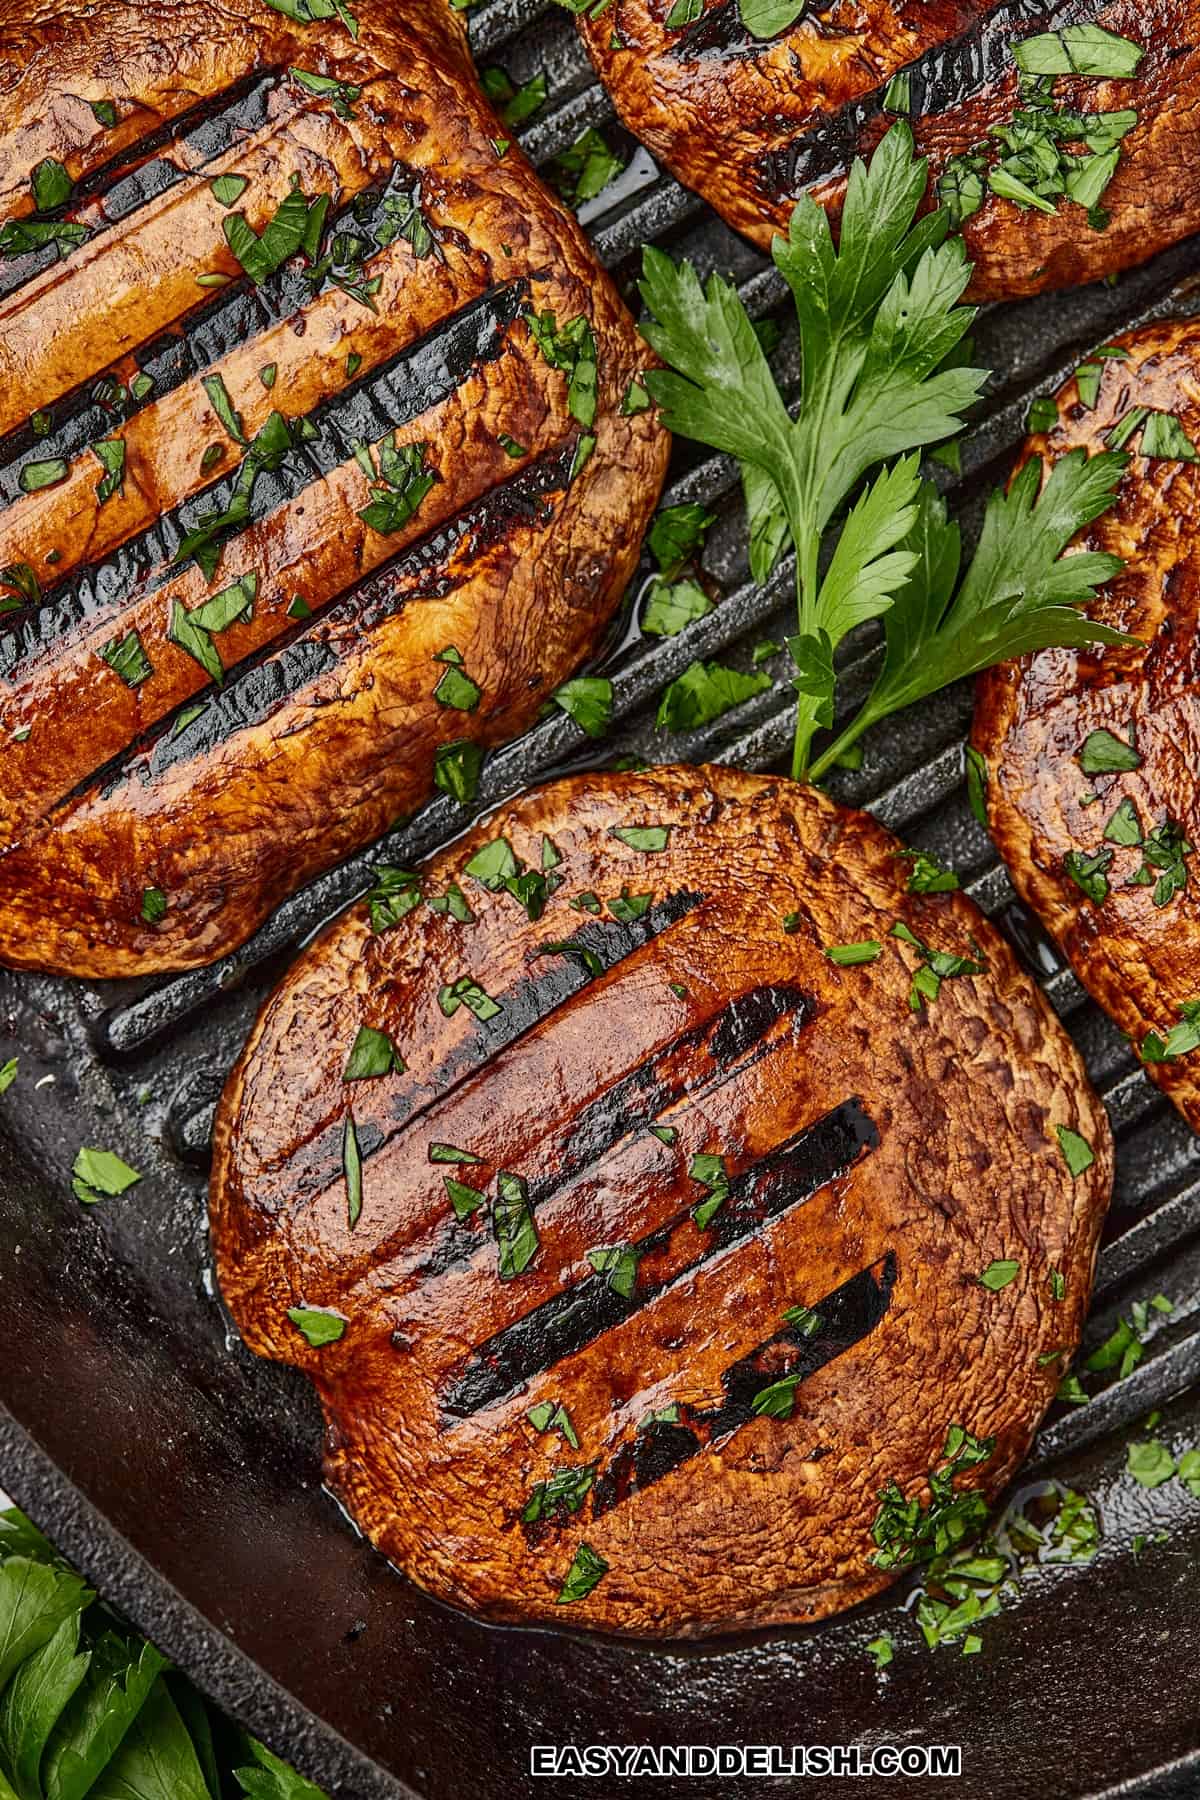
<point x="184" y="1476"/>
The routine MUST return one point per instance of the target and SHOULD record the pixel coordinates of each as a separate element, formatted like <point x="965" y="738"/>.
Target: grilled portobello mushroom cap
<point x="1093" y="791"/>
<point x="753" y="124"/>
<point x="294" y="493"/>
<point x="654" y="1238"/>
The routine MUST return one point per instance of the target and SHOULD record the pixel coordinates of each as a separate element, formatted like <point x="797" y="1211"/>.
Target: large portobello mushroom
<point x="1093" y="755"/>
<point x="313" y="459"/>
<point x="635" y="1243"/>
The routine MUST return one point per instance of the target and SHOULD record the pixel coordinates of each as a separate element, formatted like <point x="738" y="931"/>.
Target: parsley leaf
<point x="399" y="487"/>
<point x="588" y="1568"/>
<point x="317" y="1325"/>
<point x="880" y="323"/>
<point x="1020" y="592"/>
<point x="100" y="1174"/>
<point x="588" y="700"/>
<point x="516" y="1234"/>
<point x="704" y="692"/>
<point x="1181" y="1040"/>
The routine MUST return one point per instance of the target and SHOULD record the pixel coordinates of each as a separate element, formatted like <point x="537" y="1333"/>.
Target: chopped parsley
<point x="400" y="485"/>
<point x="588" y="700"/>
<point x="342" y="93"/>
<point x="352" y="1170"/>
<point x="704" y="692"/>
<point x="927" y="876"/>
<point x="23" y="585"/>
<point x="1077" y="1153"/>
<point x="228" y="189"/>
<point x="154" y="905"/>
<point x="372" y="1054"/>
<point x="193" y="631"/>
<point x="650" y="839"/>
<point x="516" y="1233"/>
<point x="588" y="1568"/>
<point x="514" y="104"/>
<point x="317" y="1325"/>
<point x="456" y="769"/>
<point x="881" y="1650"/>
<point x="464" y="1199"/>
<point x="1089" y="873"/>
<point x="635" y="399"/>
<point x="566" y="1490"/>
<point x="585" y="169"/>
<point x="467" y="992"/>
<point x="1180" y="1040"/>
<point x="38" y="475"/>
<point x="1164" y="849"/>
<point x="100" y="1174"/>
<point x="403" y="217"/>
<point x="709" y="1170"/>
<point x="222" y="405"/>
<point x="999" y="1274"/>
<point x="1125" y="825"/>
<point x="846" y="956"/>
<point x="618" y="1263"/>
<point x="629" y="907"/>
<point x="128" y="658"/>
<point x="573" y="350"/>
<point x="295" y="225"/>
<point x="907" y="1533"/>
<point x="455" y="687"/>
<point x="450" y="1153"/>
<point x="552" y="1415"/>
<point x="672" y="605"/>
<point x="677" y="536"/>
<point x="110" y="454"/>
<point x="394" y="894"/>
<point x="1103" y="753"/>
<point x="1043" y="415"/>
<point x="778" y="1399"/>
<point x="935" y="966"/>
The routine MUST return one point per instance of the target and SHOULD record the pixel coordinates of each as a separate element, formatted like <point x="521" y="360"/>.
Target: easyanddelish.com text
<point x="823" y="1760"/>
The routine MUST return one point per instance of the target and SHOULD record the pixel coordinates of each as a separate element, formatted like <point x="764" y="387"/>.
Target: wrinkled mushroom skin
<point x="878" y="1160"/>
<point x="1140" y="960"/>
<point x="325" y="727"/>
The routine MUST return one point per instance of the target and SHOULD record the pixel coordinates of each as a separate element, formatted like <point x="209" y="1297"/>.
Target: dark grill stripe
<point x="236" y="315"/>
<point x="946" y="76"/>
<point x="138" y="173"/>
<point x="277" y="671"/>
<point x="848" y="1315"/>
<point x="420" y="376"/>
<point x="567" y="1323"/>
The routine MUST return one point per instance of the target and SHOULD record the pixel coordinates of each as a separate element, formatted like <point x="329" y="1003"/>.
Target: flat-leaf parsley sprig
<point x="882" y="376"/>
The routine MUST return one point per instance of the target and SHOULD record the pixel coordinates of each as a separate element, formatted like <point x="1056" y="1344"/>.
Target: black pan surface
<point x="184" y="1477"/>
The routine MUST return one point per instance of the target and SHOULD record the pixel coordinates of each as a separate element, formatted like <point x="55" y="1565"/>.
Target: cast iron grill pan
<point x="184" y="1475"/>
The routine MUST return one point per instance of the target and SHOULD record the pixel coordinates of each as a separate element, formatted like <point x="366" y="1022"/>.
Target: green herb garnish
<point x="101" y="1174"/>
<point x="879" y="321"/>
<point x="516" y="1233"/>
<point x="317" y="1325"/>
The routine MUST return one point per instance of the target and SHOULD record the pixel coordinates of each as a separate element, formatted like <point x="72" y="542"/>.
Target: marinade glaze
<point x="753" y="124"/>
<point x="650" y="1154"/>
<point x="1134" y="941"/>
<point x="158" y="797"/>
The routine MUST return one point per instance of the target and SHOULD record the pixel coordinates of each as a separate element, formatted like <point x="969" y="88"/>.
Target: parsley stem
<point x="861" y="722"/>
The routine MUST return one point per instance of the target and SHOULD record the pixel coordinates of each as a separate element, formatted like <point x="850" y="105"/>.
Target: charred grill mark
<point x="946" y="76"/>
<point x="236" y="315"/>
<point x="420" y="376"/>
<point x="277" y="671"/>
<point x="139" y="173"/>
<point x="567" y="1323"/>
<point x="644" y="1095"/>
<point x="848" y="1315"/>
